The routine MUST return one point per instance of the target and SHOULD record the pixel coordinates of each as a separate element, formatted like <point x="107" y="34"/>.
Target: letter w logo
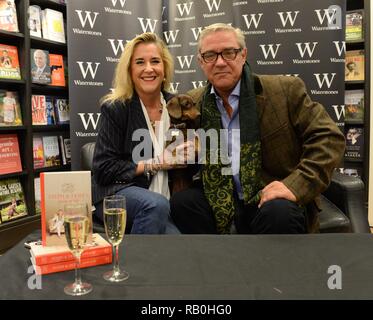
<point x="325" y="78"/>
<point x="89" y="68"/>
<point x="253" y="19"/>
<point x="148" y="24"/>
<point x="289" y="17"/>
<point x="88" y="17"/>
<point x="90" y="121"/>
<point x="196" y="32"/>
<point x="116" y="47"/>
<point x="183" y="7"/>
<point x="340" y="48"/>
<point x="339" y="111"/>
<point x="168" y="35"/>
<point x="185" y="60"/>
<point x="306" y="46"/>
<point x="213" y="4"/>
<point x="122" y="2"/>
<point x="329" y="14"/>
<point x="267" y="51"/>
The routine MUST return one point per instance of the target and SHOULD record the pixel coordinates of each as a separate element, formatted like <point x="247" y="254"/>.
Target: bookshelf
<point x="361" y="164"/>
<point x="13" y="231"/>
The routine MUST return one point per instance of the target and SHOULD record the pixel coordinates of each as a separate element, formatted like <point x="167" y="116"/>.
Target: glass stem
<point x="78" y="279"/>
<point x="116" y="258"/>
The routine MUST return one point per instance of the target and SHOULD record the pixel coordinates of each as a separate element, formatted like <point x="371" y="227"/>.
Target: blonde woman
<point x="135" y="107"/>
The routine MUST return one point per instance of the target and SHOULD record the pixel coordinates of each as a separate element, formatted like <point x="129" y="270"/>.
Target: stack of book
<point x="51" y="259"/>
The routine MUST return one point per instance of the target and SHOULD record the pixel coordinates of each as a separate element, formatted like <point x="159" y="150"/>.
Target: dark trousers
<point x="192" y="214"/>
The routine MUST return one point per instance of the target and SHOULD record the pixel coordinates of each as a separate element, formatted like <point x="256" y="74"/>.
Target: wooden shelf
<point x="51" y="46"/>
<point x="12" y="129"/>
<point x="66" y="167"/>
<point x="51" y="127"/>
<point x="13" y="174"/>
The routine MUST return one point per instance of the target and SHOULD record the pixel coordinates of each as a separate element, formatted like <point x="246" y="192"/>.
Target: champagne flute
<point x="77" y="228"/>
<point x="115" y="216"/>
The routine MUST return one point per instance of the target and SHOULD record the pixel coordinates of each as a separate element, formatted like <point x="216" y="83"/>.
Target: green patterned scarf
<point x="219" y="188"/>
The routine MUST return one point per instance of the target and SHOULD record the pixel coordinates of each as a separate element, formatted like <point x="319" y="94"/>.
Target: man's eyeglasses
<point x="226" y="54"/>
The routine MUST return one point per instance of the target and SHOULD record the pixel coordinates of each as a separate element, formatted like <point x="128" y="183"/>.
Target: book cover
<point x="49" y="104"/>
<point x="57" y="70"/>
<point x="38" y="152"/>
<point x="57" y="190"/>
<point x="10" y="109"/>
<point x="354" y="105"/>
<point x="8" y="16"/>
<point x="62" y="109"/>
<point x="54" y="25"/>
<point x="10" y="158"/>
<point x="34" y="21"/>
<point x="62" y="149"/>
<point x="354" y="143"/>
<point x="67" y="148"/>
<point x="354" y="25"/>
<point x="12" y="200"/>
<point x="52" y="155"/>
<point x="354" y="172"/>
<point x="40" y="67"/>
<point x="9" y="63"/>
<point x="70" y="265"/>
<point x="53" y="254"/>
<point x="354" y="65"/>
<point x="39" y="110"/>
<point x="37" y="195"/>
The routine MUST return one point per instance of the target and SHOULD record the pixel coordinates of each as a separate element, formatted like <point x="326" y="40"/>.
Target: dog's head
<point x="182" y="109"/>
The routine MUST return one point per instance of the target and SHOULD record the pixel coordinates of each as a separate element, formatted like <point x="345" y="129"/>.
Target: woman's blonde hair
<point x="122" y="83"/>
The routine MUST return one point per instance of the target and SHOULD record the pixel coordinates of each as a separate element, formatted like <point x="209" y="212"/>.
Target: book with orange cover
<point x="9" y="63"/>
<point x="57" y="70"/>
<point x="54" y="254"/>
<point x="70" y="265"/>
<point x="8" y="16"/>
<point x="10" y="158"/>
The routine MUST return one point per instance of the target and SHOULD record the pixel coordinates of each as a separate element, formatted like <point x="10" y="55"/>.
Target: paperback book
<point x="40" y="67"/>
<point x="12" y="200"/>
<point x="39" y="110"/>
<point x="354" y="26"/>
<point x="10" y="109"/>
<point x="34" y="21"/>
<point x="8" y="16"/>
<point x="354" y="105"/>
<point x="53" y="25"/>
<point x="38" y="152"/>
<point x="10" y="158"/>
<point x="52" y="155"/>
<point x="9" y="63"/>
<point x="62" y="108"/>
<point x="37" y="195"/>
<point x="354" y="65"/>
<point x="355" y="143"/>
<point x="57" y="70"/>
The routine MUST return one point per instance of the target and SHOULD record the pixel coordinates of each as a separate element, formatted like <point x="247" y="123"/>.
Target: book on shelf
<point x="62" y="109"/>
<point x="40" y="67"/>
<point x="34" y="21"/>
<point x="57" y="70"/>
<point x="8" y="16"/>
<point x="38" y="152"/>
<point x="53" y="25"/>
<point x="354" y="65"/>
<point x="37" y="195"/>
<point x="54" y="254"/>
<point x="57" y="190"/>
<point x="10" y="158"/>
<point x="354" y="172"/>
<point x="70" y="265"/>
<point x="39" y="110"/>
<point x="354" y="105"/>
<point x="49" y="103"/>
<point x="10" y="109"/>
<point x="67" y="149"/>
<point x="12" y="200"/>
<point x="9" y="63"/>
<point x="354" y="143"/>
<point x="354" y="25"/>
<point x="52" y="155"/>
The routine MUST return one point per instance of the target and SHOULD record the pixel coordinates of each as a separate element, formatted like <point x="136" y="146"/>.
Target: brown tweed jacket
<point x="301" y="144"/>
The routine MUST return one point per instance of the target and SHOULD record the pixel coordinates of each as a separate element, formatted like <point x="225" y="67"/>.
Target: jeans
<point x="147" y="212"/>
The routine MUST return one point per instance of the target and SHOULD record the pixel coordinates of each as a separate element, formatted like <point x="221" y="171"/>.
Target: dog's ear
<point x="174" y="108"/>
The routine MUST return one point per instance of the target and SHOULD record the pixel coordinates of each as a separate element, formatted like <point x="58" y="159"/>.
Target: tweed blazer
<point x="113" y="167"/>
<point x="301" y="144"/>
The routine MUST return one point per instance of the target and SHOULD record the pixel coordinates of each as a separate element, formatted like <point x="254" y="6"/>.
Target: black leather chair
<point x="342" y="203"/>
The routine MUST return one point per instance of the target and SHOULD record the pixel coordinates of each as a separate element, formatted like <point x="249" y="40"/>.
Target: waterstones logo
<point x="149" y="25"/>
<point x="185" y="62"/>
<point x="213" y="4"/>
<point x="174" y="86"/>
<point x="88" y="18"/>
<point x="196" y="32"/>
<point x="340" y="46"/>
<point x="324" y="79"/>
<point x="117" y="46"/>
<point x="339" y="111"/>
<point x="304" y="47"/>
<point x="85" y="69"/>
<point x="254" y="21"/>
<point x="199" y="84"/>
<point x="114" y="8"/>
<point x="331" y="16"/>
<point x="184" y="8"/>
<point x="288" y="17"/>
<point x="89" y="122"/>
<point x="170" y="38"/>
<point x="270" y="49"/>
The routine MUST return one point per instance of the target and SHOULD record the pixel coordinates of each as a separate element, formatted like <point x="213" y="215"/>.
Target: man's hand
<point x="275" y="190"/>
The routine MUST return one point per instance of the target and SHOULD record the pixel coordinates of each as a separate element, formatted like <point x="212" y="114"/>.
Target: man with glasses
<point x="282" y="147"/>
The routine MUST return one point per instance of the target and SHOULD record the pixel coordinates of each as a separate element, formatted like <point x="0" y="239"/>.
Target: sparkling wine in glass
<point x="115" y="217"/>
<point x="77" y="228"/>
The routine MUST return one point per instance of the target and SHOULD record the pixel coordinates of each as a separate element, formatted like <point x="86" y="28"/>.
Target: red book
<point x="9" y="63"/>
<point x="43" y="255"/>
<point x="70" y="265"/>
<point x="9" y="154"/>
<point x="57" y="70"/>
<point x="39" y="110"/>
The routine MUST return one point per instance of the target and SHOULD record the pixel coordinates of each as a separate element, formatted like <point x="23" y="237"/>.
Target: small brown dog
<point x="184" y="115"/>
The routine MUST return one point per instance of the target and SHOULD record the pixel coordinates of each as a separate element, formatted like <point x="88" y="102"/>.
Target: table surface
<point x="209" y="267"/>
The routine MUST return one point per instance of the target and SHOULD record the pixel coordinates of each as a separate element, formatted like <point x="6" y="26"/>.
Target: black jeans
<point x="192" y="214"/>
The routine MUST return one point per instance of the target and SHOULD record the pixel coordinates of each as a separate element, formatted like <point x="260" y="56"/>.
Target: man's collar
<point x="235" y="92"/>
